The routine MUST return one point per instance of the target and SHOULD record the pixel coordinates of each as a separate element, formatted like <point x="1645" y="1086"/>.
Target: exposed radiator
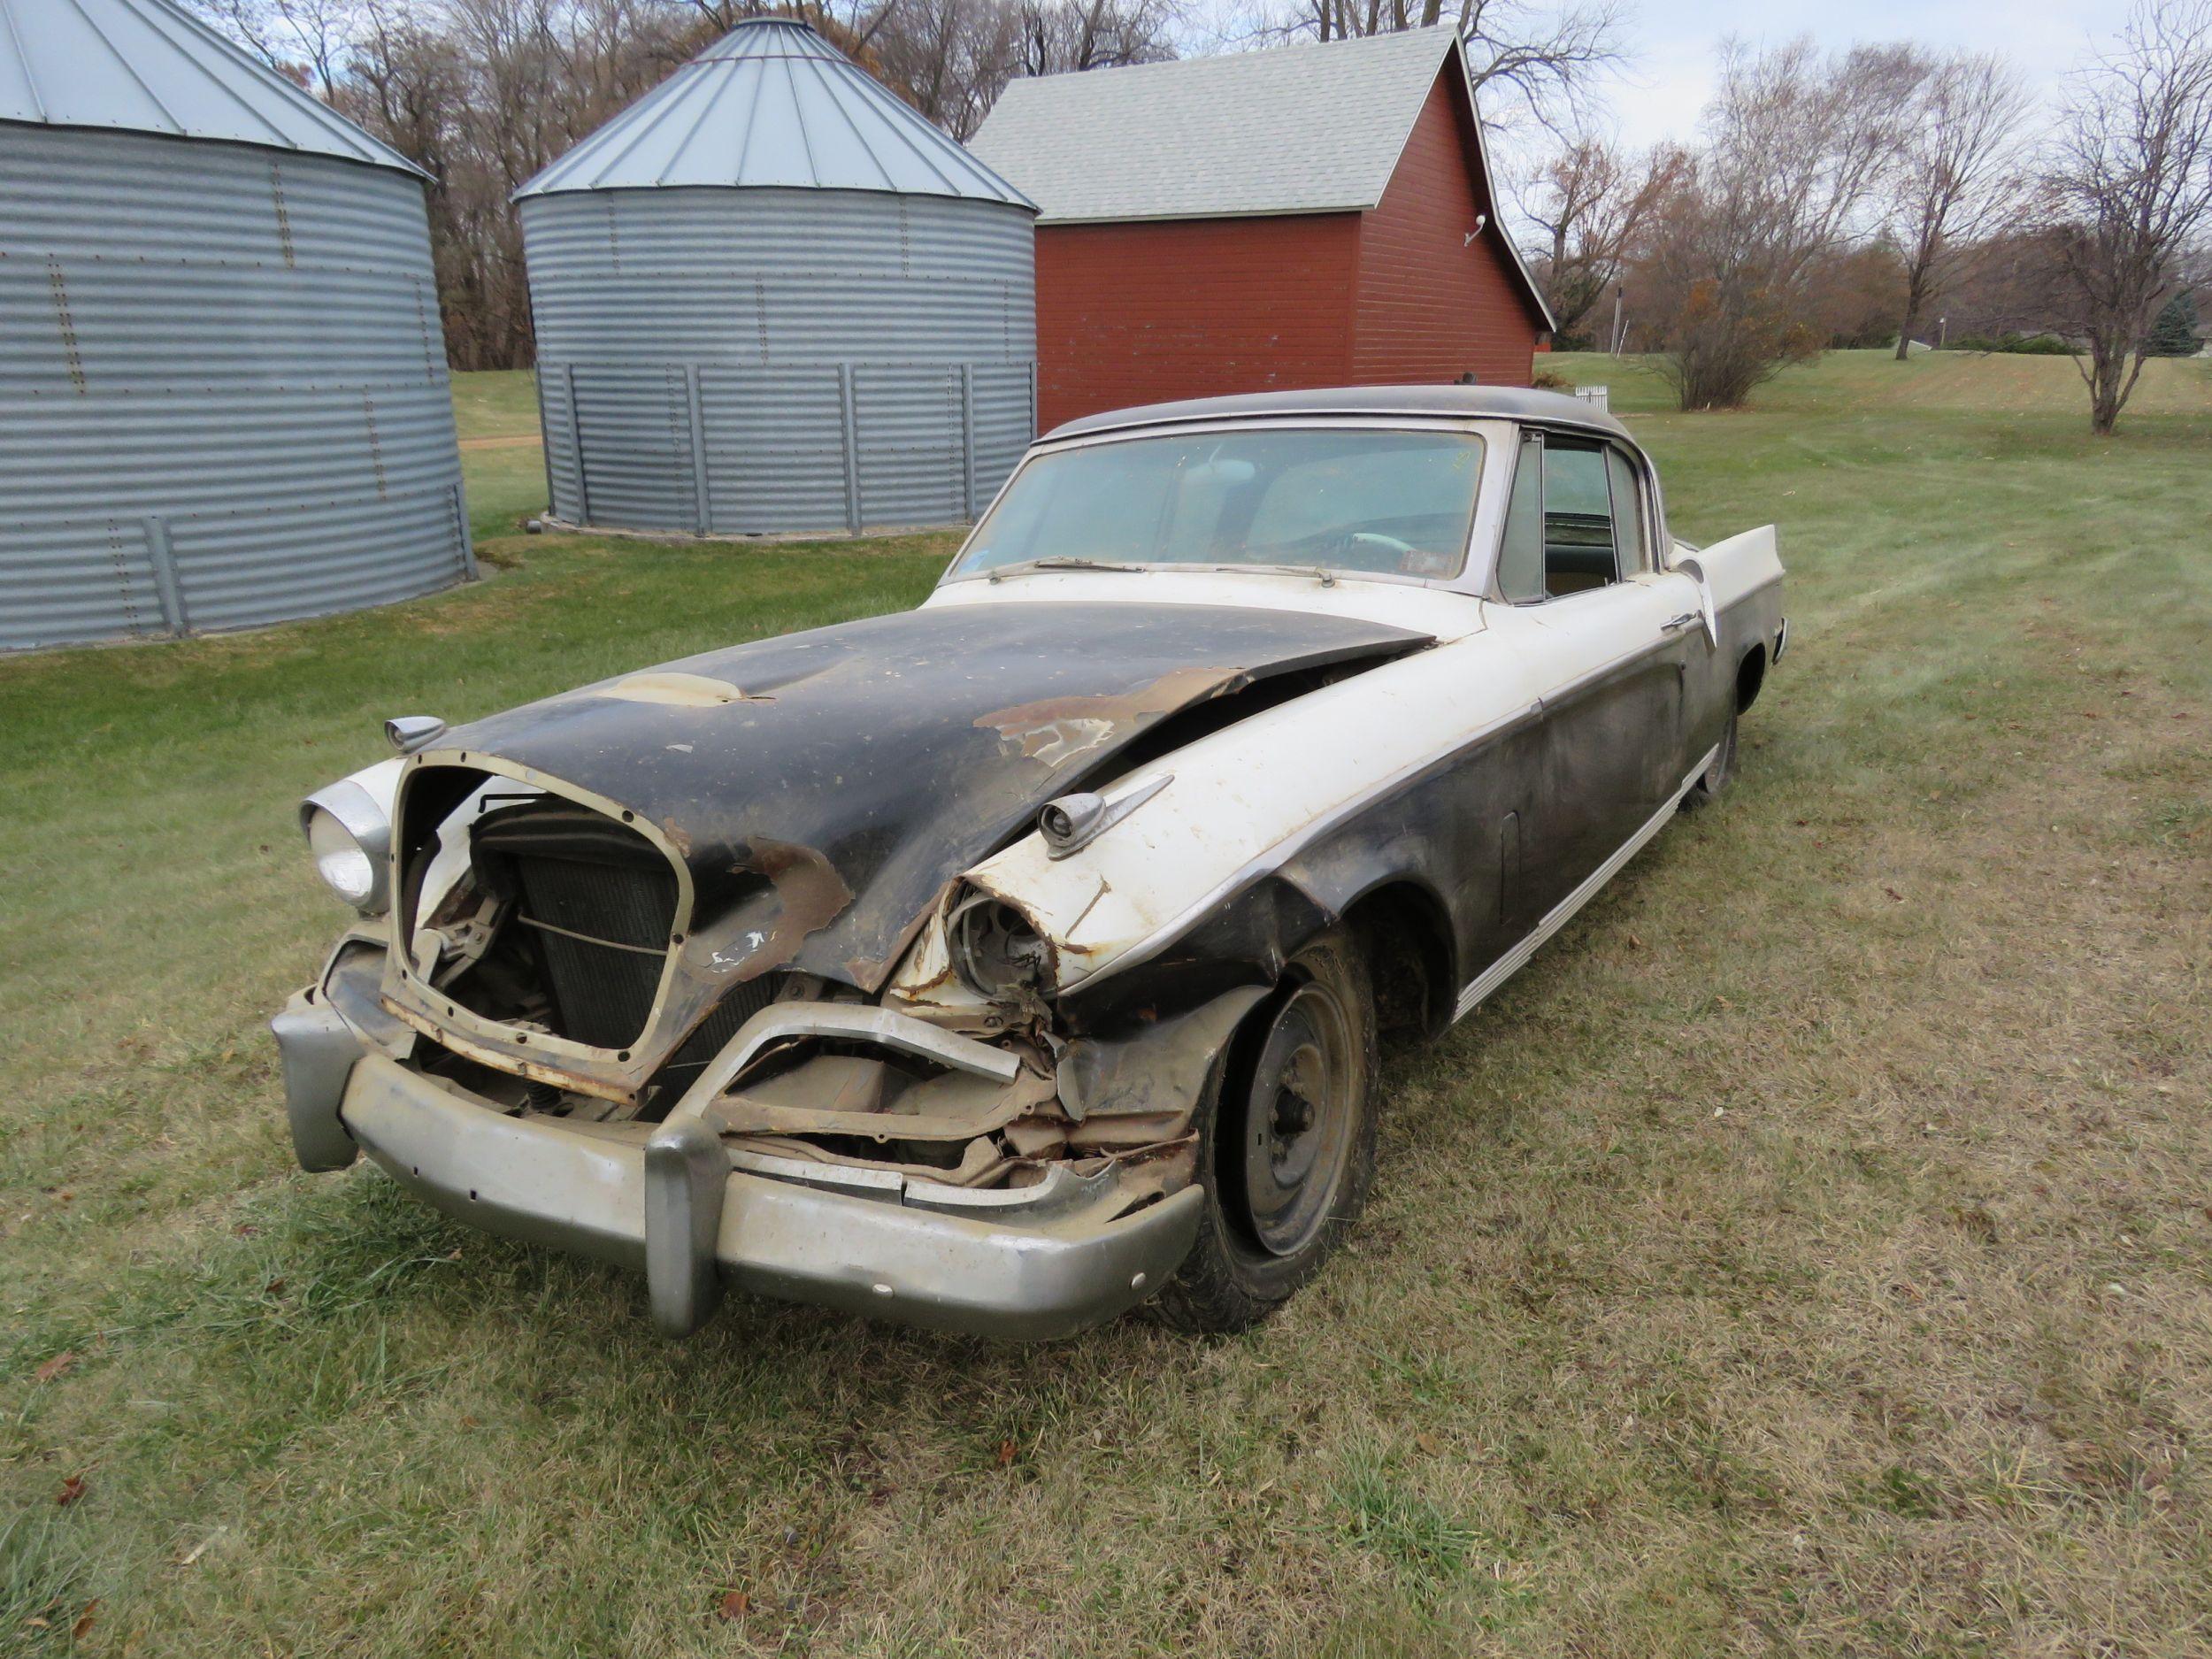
<point x="601" y="901"/>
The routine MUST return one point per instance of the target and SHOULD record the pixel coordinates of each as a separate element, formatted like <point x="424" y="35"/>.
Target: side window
<point x="1628" y="518"/>
<point x="1578" y="552"/>
<point x="1521" y="553"/>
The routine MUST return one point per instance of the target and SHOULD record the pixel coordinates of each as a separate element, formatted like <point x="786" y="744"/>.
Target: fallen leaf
<point x="1894" y="894"/>
<point x="1635" y="943"/>
<point x="1005" y="1453"/>
<point x="83" y="1626"/>
<point x="245" y="1230"/>
<point x="199" y="1549"/>
<point x="276" y="1288"/>
<point x="1427" y="1443"/>
<point x="72" y="1489"/>
<point x="55" y="1366"/>
<point x="735" y="1605"/>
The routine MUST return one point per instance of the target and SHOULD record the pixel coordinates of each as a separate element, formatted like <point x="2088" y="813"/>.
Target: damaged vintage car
<point x="1006" y="964"/>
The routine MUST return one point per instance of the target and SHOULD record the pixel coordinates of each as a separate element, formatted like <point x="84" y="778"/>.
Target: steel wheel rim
<point x="1298" y="1121"/>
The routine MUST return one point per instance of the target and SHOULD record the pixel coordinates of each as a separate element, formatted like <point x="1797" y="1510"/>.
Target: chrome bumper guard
<point x="1029" y="1264"/>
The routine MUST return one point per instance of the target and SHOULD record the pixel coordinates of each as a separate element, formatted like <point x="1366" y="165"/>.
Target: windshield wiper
<point x="1321" y="574"/>
<point x="1059" y="562"/>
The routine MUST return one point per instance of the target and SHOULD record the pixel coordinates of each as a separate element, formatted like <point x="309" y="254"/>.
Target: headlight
<point x="341" y="859"/>
<point x="993" y="947"/>
<point x="348" y="831"/>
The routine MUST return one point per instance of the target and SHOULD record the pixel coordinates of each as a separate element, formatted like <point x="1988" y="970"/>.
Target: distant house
<point x="1317" y="215"/>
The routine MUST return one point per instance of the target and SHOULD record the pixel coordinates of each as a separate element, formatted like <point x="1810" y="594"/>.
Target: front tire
<point x="1285" y="1144"/>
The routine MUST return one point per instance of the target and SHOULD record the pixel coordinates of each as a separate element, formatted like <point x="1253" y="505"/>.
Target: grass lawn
<point x="1811" y="1253"/>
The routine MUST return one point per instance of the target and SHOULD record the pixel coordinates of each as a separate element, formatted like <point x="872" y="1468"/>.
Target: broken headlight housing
<point x="994" y="948"/>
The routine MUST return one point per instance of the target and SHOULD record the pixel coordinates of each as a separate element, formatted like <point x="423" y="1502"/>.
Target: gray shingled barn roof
<point x="144" y="66"/>
<point x="772" y="104"/>
<point x="1297" y="129"/>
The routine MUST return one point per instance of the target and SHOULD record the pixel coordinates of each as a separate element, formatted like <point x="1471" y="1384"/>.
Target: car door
<point x="1612" y="636"/>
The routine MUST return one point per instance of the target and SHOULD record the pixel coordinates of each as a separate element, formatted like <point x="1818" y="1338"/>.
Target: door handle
<point x="1674" y="625"/>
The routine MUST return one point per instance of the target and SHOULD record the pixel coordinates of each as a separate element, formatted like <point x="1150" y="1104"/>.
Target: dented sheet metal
<point x="831" y="783"/>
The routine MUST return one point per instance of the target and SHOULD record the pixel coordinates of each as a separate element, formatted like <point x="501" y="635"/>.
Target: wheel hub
<point x="1298" y="1121"/>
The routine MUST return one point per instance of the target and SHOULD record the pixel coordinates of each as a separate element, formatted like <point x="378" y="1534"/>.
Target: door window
<point x="1574" y="521"/>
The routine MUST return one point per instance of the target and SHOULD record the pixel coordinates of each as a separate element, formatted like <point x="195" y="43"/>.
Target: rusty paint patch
<point x="1056" y="730"/>
<point x="810" y="895"/>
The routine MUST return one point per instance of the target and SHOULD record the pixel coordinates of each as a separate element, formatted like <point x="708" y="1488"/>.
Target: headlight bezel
<point x="353" y="815"/>
<point x="994" y="949"/>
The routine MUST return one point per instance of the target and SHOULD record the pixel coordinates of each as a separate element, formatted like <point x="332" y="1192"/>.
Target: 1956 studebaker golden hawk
<point x="1008" y="963"/>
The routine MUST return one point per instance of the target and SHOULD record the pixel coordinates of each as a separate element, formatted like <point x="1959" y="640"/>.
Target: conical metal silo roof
<point x="144" y="66"/>
<point x="772" y="104"/>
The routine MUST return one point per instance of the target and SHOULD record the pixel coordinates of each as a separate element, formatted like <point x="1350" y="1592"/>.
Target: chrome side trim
<point x="1514" y="960"/>
<point x="850" y="1020"/>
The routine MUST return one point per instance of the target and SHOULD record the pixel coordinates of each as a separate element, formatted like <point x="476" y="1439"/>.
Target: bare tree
<point x="1588" y="205"/>
<point x="2129" y="185"/>
<point x="309" y="41"/>
<point x="1958" y="174"/>
<point x="1535" y="60"/>
<point x="1797" y="150"/>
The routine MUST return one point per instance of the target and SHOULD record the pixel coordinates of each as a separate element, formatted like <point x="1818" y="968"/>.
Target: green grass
<point x="1808" y="1253"/>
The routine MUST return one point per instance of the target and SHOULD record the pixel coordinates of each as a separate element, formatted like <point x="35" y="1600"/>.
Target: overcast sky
<point x="1674" y="40"/>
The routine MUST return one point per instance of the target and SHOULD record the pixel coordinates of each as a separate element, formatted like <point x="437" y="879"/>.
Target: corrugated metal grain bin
<point x="223" y="393"/>
<point x="771" y="297"/>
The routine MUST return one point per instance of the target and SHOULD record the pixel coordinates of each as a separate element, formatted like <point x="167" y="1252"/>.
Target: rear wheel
<point x="1285" y="1144"/>
<point x="1717" y="775"/>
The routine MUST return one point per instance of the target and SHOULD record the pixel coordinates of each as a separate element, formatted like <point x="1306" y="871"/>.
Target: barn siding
<point x="1146" y="312"/>
<point x="1433" y="307"/>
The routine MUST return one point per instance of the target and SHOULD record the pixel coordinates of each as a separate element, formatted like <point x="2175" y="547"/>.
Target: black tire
<point x="1284" y="1176"/>
<point x="1719" y="775"/>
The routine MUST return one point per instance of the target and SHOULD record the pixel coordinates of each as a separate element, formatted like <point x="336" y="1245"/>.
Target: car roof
<point x="1464" y="402"/>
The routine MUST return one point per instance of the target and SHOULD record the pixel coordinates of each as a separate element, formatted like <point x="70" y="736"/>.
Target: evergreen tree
<point x="2174" y="331"/>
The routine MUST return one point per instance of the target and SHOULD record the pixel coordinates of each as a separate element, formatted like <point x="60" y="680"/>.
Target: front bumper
<point x="665" y="1206"/>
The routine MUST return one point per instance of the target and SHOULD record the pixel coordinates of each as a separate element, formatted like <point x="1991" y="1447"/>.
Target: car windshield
<point x="1382" y="503"/>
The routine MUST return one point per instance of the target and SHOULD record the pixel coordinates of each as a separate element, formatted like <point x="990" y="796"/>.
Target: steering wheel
<point x="1375" y="542"/>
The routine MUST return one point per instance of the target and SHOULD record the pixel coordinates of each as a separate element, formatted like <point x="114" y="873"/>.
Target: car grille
<point x="601" y="902"/>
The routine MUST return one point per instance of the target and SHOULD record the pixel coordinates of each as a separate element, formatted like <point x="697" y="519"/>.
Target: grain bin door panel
<point x="89" y="579"/>
<point x="635" y="425"/>
<point x="775" y="444"/>
<point x="912" y="456"/>
<point x="246" y="569"/>
<point x="1004" y="425"/>
<point x="557" y="416"/>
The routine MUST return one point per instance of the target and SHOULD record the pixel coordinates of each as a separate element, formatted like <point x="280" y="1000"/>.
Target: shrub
<point x="2019" y="345"/>
<point x="1545" y="380"/>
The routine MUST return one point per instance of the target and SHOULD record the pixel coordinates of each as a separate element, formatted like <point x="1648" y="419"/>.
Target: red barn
<point x="1317" y="215"/>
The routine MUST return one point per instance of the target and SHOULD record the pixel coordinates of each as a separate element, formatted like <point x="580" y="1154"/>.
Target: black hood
<point x="825" y="786"/>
